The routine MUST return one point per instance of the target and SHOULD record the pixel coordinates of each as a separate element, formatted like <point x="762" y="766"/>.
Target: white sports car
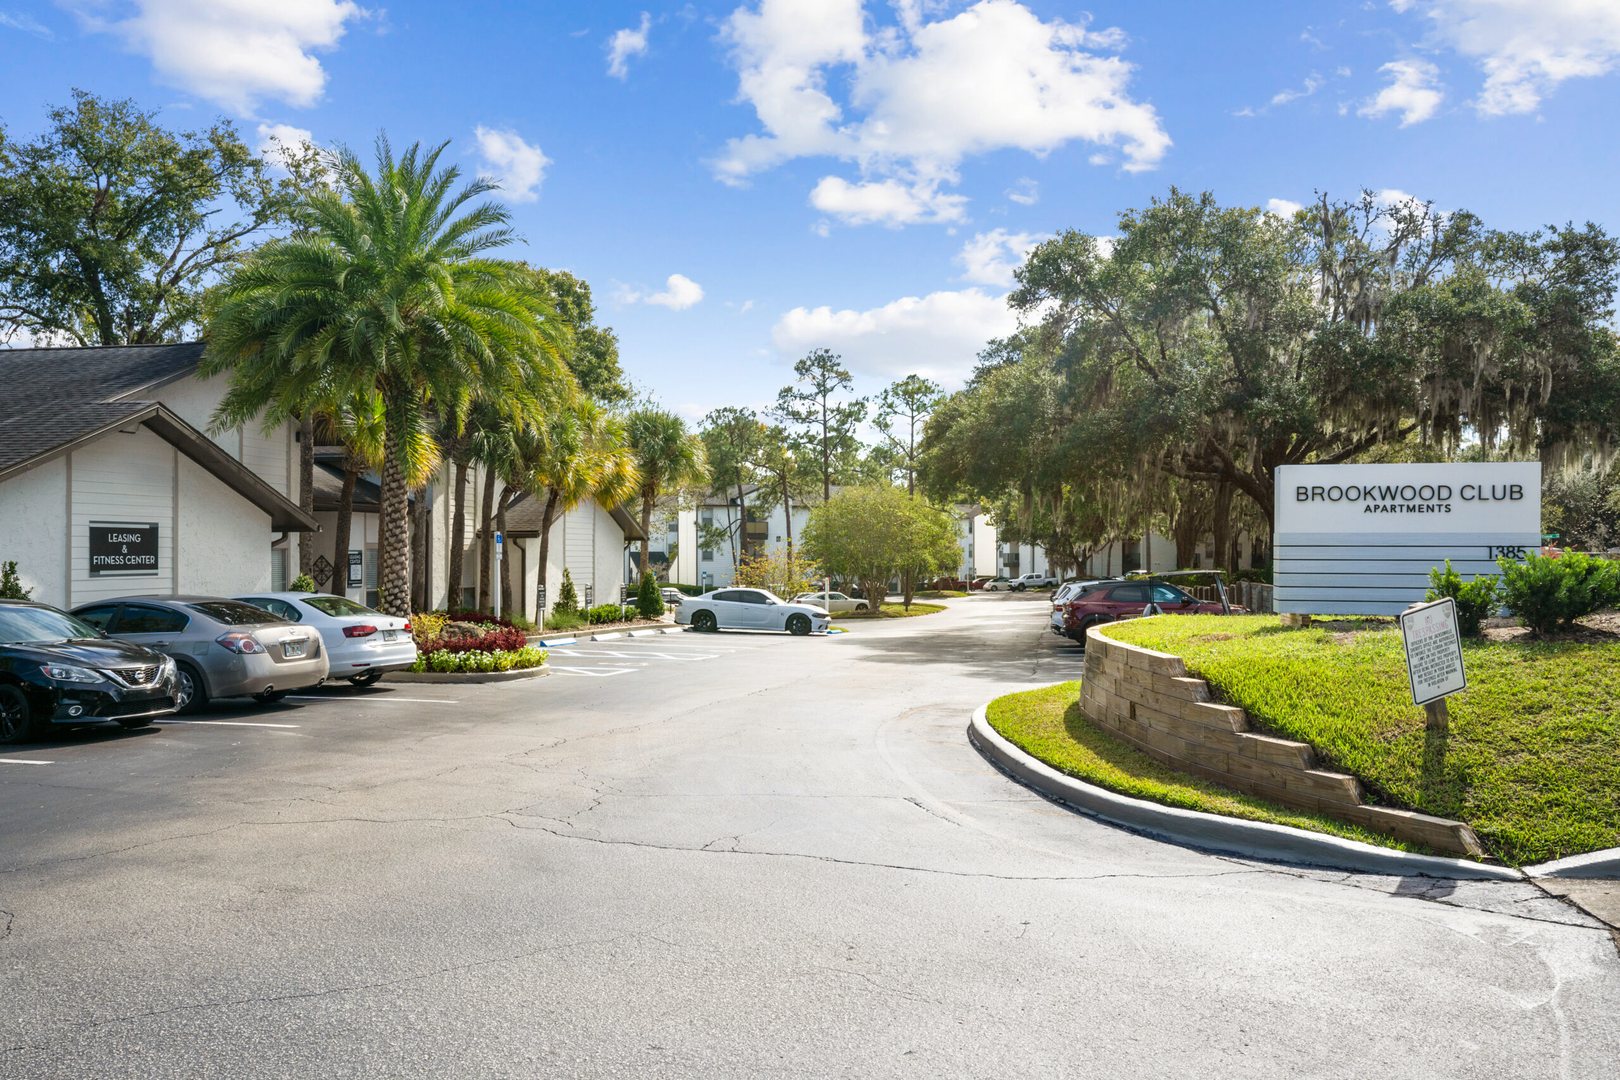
<point x="750" y="609"/>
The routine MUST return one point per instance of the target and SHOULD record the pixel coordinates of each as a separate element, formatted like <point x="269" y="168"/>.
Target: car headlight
<point x="69" y="674"/>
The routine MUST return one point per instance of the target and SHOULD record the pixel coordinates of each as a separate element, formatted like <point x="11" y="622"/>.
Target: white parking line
<point x="225" y="723"/>
<point x="598" y="673"/>
<point x="645" y="653"/>
<point x="24" y="761"/>
<point x="375" y="699"/>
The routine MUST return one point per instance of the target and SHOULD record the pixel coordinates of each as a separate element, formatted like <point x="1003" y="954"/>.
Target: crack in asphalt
<point x="5" y="927"/>
<point x="271" y="999"/>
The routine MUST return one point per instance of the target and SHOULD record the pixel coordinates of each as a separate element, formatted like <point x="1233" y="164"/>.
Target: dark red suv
<point x="1113" y="600"/>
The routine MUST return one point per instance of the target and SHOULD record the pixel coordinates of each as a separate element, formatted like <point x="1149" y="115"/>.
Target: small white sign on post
<point x="1434" y="662"/>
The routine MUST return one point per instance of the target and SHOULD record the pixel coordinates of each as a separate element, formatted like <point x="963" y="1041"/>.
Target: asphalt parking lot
<point x="747" y="855"/>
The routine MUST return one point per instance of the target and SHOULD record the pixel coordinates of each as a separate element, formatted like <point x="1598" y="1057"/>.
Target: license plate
<point x="390" y="635"/>
<point x="290" y="649"/>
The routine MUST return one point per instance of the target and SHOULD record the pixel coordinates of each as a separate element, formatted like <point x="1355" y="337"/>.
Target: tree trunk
<point x="486" y="517"/>
<point x="394" y="577"/>
<point x="547" y="517"/>
<point x="1222" y="522"/>
<point x="306" y="490"/>
<point x="419" y="544"/>
<point x="340" y="532"/>
<point x="506" y="562"/>
<point x="458" y="535"/>
<point x="647" y="496"/>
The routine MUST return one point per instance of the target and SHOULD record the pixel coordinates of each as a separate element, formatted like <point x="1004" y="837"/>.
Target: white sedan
<point x="362" y="645"/>
<point x="751" y="609"/>
<point x="832" y="601"/>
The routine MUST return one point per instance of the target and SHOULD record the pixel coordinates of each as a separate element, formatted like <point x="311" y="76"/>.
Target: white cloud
<point x="16" y="20"/>
<point x="680" y="292"/>
<point x="1313" y="83"/>
<point x="1525" y="47"/>
<point x="908" y="104"/>
<point x="1025" y="192"/>
<point x="1413" y="91"/>
<point x="1283" y="208"/>
<point x="991" y="257"/>
<point x="938" y="335"/>
<point x="282" y="136"/>
<point x="519" y="166"/>
<point x="627" y="43"/>
<point x="885" y="202"/>
<point x="236" y="53"/>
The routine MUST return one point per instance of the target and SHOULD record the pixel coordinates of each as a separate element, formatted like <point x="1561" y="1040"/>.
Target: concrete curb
<point x="1594" y="864"/>
<point x="552" y="643"/>
<point x="1211" y="832"/>
<point x="465" y="677"/>
<point x="606" y="637"/>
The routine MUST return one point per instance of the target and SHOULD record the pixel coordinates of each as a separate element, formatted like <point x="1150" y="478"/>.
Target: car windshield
<point x="19" y="624"/>
<point x="235" y="613"/>
<point x="338" y="606"/>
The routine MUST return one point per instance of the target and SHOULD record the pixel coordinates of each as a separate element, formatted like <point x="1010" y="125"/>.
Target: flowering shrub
<point x="443" y="661"/>
<point x="482" y="618"/>
<point x="499" y="640"/>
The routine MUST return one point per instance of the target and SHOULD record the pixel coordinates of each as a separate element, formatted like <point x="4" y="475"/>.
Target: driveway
<point x="737" y="855"/>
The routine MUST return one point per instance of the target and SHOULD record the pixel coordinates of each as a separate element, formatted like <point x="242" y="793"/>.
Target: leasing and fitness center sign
<point x="123" y="549"/>
<point x="1361" y="539"/>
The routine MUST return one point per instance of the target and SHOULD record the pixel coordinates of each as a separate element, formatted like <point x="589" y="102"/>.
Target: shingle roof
<point x="51" y="397"/>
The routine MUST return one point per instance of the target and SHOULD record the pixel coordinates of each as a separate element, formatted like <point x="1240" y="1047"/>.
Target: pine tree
<point x="567" y="598"/>
<point x="649" y="601"/>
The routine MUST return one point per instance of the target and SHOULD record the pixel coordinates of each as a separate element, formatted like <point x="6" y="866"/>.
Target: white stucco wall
<point x="222" y="541"/>
<point x="32" y="506"/>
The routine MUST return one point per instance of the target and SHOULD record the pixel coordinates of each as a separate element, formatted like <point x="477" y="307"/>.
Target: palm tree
<point x="579" y="454"/>
<point x="385" y="288"/>
<point x="668" y="457"/>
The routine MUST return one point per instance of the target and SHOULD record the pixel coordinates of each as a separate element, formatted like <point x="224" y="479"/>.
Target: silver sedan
<point x="221" y="648"/>
<point x="362" y="645"/>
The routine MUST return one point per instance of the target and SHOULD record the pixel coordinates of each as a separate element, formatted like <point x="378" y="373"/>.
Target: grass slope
<point x="1532" y="760"/>
<point x="1048" y="724"/>
<point x="893" y="611"/>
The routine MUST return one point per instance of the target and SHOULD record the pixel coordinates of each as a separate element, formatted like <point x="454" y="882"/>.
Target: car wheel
<point x="798" y="625"/>
<point x="16" y="716"/>
<point x="704" y="622"/>
<point x="861" y="607"/>
<point x="367" y="679"/>
<point x="189" y="692"/>
<point x="1018" y="588"/>
<point x="269" y="697"/>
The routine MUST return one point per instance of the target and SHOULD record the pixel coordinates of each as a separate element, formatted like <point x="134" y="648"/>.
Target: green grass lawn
<point x="893" y="611"/>
<point x="1532" y="759"/>
<point x="1048" y="723"/>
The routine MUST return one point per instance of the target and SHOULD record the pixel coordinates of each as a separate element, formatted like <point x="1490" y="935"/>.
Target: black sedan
<point x="56" y="671"/>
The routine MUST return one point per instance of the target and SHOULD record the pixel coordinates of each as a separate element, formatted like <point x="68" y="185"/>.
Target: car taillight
<point x="240" y="643"/>
<point x="406" y="628"/>
<point x="360" y="631"/>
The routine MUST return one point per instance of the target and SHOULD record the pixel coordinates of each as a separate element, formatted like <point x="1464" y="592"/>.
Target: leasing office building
<point x="111" y="483"/>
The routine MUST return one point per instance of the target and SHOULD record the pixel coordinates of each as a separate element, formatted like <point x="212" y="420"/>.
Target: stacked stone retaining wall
<point x="1148" y="699"/>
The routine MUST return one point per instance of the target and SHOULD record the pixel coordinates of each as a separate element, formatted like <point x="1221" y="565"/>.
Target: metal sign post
<point x="496" y="589"/>
<point x="1434" y="662"/>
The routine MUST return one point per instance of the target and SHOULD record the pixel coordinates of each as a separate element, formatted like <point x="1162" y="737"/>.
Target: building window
<point x="370" y="564"/>
<point x="278" y="569"/>
<point x="1130" y="556"/>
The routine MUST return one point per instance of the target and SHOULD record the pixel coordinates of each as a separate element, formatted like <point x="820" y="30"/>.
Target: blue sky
<point x="742" y="182"/>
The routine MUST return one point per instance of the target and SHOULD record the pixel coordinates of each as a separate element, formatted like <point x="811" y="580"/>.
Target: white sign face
<point x="1361" y="539"/>
<point x="1434" y="662"/>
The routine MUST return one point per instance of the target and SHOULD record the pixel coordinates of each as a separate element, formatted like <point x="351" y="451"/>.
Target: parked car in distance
<point x="1066" y="592"/>
<point x="750" y="609"/>
<point x="1034" y="581"/>
<point x="57" y="672"/>
<point x="949" y="584"/>
<point x="832" y="602"/>
<point x="221" y="648"/>
<point x="362" y="645"/>
<point x="672" y="597"/>
<point x="998" y="584"/>
<point x="1114" y="600"/>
